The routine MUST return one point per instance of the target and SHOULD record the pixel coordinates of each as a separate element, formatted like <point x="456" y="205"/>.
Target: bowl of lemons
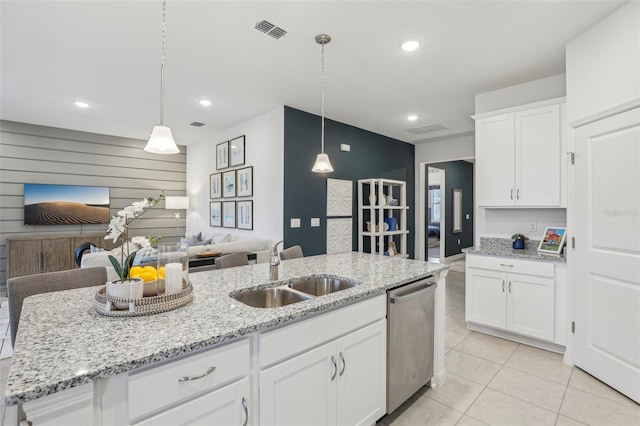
<point x="151" y="277"/>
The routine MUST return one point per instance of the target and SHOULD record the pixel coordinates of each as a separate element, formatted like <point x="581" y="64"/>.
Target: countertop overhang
<point x="63" y="342"/>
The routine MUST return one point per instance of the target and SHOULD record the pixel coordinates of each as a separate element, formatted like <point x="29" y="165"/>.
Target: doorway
<point x="434" y="219"/>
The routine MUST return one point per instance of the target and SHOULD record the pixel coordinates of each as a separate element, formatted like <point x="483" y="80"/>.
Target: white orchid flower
<point x="138" y="206"/>
<point x="127" y="212"/>
<point x="115" y="228"/>
<point x="141" y="241"/>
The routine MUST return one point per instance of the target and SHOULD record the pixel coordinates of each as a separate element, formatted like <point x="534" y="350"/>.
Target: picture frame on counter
<point x="228" y="214"/>
<point x="215" y="185"/>
<point x="222" y="155"/>
<point x="245" y="182"/>
<point x="236" y="151"/>
<point x="215" y="213"/>
<point x="229" y="184"/>
<point x="245" y="214"/>
<point x="552" y="239"/>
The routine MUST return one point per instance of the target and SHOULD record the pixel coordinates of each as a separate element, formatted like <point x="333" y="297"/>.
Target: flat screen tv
<point x="65" y="204"/>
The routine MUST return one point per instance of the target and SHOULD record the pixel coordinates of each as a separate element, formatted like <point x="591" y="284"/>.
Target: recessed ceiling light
<point x="81" y="104"/>
<point x="205" y="102"/>
<point x="412" y="117"/>
<point x="411" y="45"/>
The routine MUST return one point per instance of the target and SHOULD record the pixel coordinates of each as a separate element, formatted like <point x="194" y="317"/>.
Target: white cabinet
<point x="521" y="158"/>
<point x="513" y="295"/>
<point x="341" y="382"/>
<point x="374" y="210"/>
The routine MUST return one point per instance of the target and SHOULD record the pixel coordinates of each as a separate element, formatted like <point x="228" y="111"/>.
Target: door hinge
<point x="573" y="326"/>
<point x="573" y="157"/>
<point x="573" y="242"/>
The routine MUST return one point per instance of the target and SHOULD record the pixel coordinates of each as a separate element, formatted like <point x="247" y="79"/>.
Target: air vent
<point x="197" y="124"/>
<point x="433" y="127"/>
<point x="270" y="29"/>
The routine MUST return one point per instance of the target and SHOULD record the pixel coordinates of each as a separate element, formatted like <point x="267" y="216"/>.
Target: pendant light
<point x="322" y="165"/>
<point x="161" y="140"/>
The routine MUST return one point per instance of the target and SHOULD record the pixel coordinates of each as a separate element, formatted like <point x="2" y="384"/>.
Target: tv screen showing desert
<point x="65" y="204"/>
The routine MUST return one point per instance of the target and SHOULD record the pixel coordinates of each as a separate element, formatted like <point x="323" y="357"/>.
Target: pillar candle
<point x="173" y="278"/>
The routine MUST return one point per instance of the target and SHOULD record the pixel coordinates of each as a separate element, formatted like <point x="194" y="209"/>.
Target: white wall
<point x="603" y="67"/>
<point x="525" y="93"/>
<point x="503" y="223"/>
<point x="264" y="150"/>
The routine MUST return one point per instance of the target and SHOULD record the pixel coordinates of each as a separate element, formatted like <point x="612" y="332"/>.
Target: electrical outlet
<point x="315" y="222"/>
<point x="467" y="215"/>
<point x="533" y="226"/>
<point x="458" y="241"/>
<point x="295" y="223"/>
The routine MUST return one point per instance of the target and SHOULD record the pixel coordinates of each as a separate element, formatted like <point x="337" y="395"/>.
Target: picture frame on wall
<point x="245" y="182"/>
<point x="552" y="239"/>
<point x="215" y="185"/>
<point x="215" y="213"/>
<point x="245" y="214"/>
<point x="222" y="155"/>
<point x="229" y="184"/>
<point x="236" y="151"/>
<point x="228" y="214"/>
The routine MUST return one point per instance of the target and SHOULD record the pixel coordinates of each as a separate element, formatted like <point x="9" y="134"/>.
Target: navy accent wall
<point x="458" y="175"/>
<point x="305" y="193"/>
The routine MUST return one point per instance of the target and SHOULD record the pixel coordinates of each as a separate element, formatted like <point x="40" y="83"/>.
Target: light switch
<point x="315" y="222"/>
<point x="467" y="215"/>
<point x="295" y="223"/>
<point x="345" y="147"/>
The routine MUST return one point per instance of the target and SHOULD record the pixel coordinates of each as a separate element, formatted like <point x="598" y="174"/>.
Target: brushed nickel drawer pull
<point x="189" y="378"/>
<point x="344" y="364"/>
<point x="508" y="266"/>
<point x="246" y="411"/>
<point x="335" y="367"/>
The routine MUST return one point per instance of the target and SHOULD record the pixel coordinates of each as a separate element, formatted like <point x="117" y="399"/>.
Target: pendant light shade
<point x="322" y="164"/>
<point x="161" y="140"/>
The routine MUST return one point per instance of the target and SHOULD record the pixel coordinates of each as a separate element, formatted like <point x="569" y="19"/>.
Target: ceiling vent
<point x="270" y="29"/>
<point x="433" y="127"/>
<point x="197" y="124"/>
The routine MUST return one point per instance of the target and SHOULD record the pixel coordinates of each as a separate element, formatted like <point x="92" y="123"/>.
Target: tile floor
<point x="492" y="381"/>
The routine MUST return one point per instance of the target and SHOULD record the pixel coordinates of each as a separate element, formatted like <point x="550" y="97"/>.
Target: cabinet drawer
<point x="157" y="387"/>
<point x="508" y="264"/>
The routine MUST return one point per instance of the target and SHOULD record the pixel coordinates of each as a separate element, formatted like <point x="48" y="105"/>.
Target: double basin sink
<point x="294" y="292"/>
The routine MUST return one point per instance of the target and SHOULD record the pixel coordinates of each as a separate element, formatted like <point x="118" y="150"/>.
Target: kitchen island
<point x="65" y="351"/>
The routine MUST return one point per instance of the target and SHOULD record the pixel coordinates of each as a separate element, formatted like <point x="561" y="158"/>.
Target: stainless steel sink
<point x="270" y="297"/>
<point x="320" y="286"/>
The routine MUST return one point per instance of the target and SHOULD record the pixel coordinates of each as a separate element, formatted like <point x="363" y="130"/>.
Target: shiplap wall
<point x="37" y="154"/>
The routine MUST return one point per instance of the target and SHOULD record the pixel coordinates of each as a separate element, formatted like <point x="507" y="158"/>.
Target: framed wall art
<point x="215" y="185"/>
<point x="552" y="240"/>
<point x="236" y="151"/>
<point x="245" y="182"/>
<point x="228" y="214"/>
<point x="222" y="155"/>
<point x="245" y="214"/>
<point x="215" y="213"/>
<point x="229" y="184"/>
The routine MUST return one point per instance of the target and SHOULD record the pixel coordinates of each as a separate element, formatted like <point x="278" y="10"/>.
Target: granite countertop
<point x="501" y="247"/>
<point x="63" y="342"/>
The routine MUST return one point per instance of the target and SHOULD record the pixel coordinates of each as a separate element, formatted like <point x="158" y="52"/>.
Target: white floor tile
<point x="541" y="363"/>
<point x="594" y="410"/>
<point x="496" y="408"/>
<point x="452" y="338"/>
<point x="457" y="392"/>
<point x="566" y="421"/>
<point x="485" y="349"/>
<point x="470" y="367"/>
<point x="458" y="312"/>
<point x="427" y="412"/>
<point x="585" y="382"/>
<point x="457" y="325"/>
<point x="536" y="390"/>
<point x="469" y="421"/>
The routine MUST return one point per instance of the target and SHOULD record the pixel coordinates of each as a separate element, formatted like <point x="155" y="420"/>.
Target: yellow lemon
<point x="161" y="272"/>
<point x="135" y="270"/>
<point x="148" y="276"/>
<point x="149" y="268"/>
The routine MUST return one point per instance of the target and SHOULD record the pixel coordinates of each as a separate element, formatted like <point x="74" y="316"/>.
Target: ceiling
<point x="107" y="53"/>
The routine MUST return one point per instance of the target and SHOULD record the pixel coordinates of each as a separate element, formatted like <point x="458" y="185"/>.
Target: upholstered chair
<point x="231" y="260"/>
<point x="292" y="252"/>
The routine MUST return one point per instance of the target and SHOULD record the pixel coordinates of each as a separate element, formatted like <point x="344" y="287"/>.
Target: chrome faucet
<point x="275" y="261"/>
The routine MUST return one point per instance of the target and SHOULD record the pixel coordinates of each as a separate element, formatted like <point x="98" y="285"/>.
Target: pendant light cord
<point x="162" y="60"/>
<point x="322" y="62"/>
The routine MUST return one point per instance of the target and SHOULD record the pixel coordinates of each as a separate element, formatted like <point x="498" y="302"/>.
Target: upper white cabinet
<point x="521" y="158"/>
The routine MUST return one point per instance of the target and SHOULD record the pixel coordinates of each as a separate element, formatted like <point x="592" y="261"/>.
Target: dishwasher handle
<point x="413" y="295"/>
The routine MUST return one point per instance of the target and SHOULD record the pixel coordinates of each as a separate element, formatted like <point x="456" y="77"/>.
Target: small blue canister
<point x="392" y="222"/>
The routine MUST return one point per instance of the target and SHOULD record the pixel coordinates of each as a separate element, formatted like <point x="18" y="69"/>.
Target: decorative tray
<point x="112" y="306"/>
<point x="209" y="254"/>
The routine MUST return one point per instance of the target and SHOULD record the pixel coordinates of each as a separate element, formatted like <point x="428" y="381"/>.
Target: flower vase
<point x="518" y="244"/>
<point x="129" y="289"/>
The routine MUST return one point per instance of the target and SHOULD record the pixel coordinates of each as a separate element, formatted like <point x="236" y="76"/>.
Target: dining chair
<point x="292" y="252"/>
<point x="231" y="260"/>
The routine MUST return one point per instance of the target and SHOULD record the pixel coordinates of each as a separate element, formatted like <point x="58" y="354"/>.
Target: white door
<point x="362" y="375"/>
<point x="495" y="160"/>
<point x="605" y="265"/>
<point x="225" y="407"/>
<point x="302" y="390"/>
<point x="530" y="305"/>
<point x="486" y="297"/>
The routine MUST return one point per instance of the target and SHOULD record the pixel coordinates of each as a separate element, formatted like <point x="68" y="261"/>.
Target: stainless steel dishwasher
<point x="410" y="315"/>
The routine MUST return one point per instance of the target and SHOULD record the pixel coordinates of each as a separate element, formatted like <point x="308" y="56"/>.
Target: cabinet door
<point x="362" y="359"/>
<point x="24" y="258"/>
<point x="530" y="305"/>
<point x="495" y="160"/>
<point x="55" y="255"/>
<point x="225" y="407"/>
<point x="302" y="390"/>
<point x="538" y="157"/>
<point x="486" y="297"/>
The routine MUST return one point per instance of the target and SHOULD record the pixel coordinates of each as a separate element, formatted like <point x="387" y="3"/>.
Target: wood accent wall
<point x="38" y="154"/>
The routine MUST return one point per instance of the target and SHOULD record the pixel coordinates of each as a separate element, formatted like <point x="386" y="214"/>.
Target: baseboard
<point x="549" y="346"/>
<point x="455" y="257"/>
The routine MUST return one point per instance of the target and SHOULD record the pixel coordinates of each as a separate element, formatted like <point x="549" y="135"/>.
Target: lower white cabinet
<point x="513" y="295"/>
<point x="223" y="407"/>
<point x="341" y="382"/>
